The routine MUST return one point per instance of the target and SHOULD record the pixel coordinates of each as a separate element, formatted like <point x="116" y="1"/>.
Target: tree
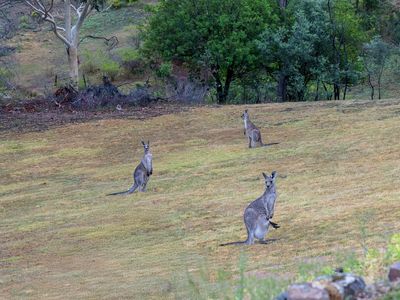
<point x="69" y="33"/>
<point x="299" y="51"/>
<point x="346" y="38"/>
<point x="218" y="36"/>
<point x="375" y="55"/>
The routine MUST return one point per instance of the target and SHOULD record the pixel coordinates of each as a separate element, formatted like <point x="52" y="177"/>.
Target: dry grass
<point x="61" y="237"/>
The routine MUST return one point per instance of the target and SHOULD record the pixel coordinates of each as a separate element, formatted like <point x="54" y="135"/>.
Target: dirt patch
<point x="27" y="119"/>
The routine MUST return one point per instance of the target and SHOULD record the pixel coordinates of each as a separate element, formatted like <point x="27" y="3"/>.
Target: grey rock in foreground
<point x="352" y="285"/>
<point x="343" y="286"/>
<point x="337" y="287"/>
<point x="306" y="291"/>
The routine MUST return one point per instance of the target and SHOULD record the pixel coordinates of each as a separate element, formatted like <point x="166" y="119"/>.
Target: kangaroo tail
<point x="276" y="226"/>
<point x="267" y="145"/>
<point x="233" y="243"/>
<point x="118" y="193"/>
<point x="130" y="191"/>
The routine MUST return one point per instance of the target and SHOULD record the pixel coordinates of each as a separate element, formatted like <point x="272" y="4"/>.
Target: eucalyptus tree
<point x="66" y="24"/>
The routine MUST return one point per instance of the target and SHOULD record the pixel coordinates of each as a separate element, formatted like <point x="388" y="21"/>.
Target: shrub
<point x="5" y="76"/>
<point x="24" y="22"/>
<point x="165" y="70"/>
<point x="99" y="61"/>
<point x="128" y="54"/>
<point x="90" y="63"/>
<point x="130" y="59"/>
<point x="393" y="250"/>
<point x="119" y="3"/>
<point x="110" y="68"/>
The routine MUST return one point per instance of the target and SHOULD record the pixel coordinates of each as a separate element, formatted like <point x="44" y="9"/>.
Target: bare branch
<point x="78" y="10"/>
<point x="107" y="8"/>
<point x="48" y="17"/>
<point x="84" y="11"/>
<point x="74" y="8"/>
<point x="38" y="2"/>
<point x="81" y="8"/>
<point x="110" y="42"/>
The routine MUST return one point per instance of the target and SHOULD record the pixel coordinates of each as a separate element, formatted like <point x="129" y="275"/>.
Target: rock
<point x="282" y="296"/>
<point x="394" y="272"/>
<point x="382" y="288"/>
<point x="352" y="286"/>
<point x="335" y="291"/>
<point x="306" y="292"/>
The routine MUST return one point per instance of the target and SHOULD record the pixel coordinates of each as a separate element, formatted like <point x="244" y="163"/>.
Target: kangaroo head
<point x="270" y="180"/>
<point x="146" y="146"/>
<point x="245" y="115"/>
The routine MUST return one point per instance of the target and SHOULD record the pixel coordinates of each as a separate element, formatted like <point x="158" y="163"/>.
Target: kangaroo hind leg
<point x="261" y="228"/>
<point x="133" y="188"/>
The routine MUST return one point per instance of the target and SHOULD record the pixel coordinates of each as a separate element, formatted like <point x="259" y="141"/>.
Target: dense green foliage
<point x="212" y="35"/>
<point x="305" y="50"/>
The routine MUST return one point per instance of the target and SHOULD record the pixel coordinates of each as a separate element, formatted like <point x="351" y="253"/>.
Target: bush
<point x="130" y="60"/>
<point x="165" y="70"/>
<point x="99" y="61"/>
<point x="5" y="76"/>
<point x="24" y="22"/>
<point x="110" y="68"/>
<point x="393" y="250"/>
<point x="120" y="3"/>
<point x="91" y="60"/>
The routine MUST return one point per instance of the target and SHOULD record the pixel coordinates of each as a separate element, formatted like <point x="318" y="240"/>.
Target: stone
<point x="394" y="272"/>
<point x="335" y="291"/>
<point x="306" y="291"/>
<point x="352" y="286"/>
<point x="282" y="296"/>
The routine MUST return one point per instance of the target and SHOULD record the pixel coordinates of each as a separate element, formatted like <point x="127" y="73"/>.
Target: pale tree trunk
<point x="73" y="65"/>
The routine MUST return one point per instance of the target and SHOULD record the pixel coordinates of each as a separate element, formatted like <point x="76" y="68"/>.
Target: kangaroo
<point x="251" y="131"/>
<point x="142" y="172"/>
<point x="258" y="214"/>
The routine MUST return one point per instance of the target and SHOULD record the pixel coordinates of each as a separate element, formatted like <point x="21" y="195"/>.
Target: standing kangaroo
<point x="142" y="172"/>
<point x="251" y="131"/>
<point x="258" y="214"/>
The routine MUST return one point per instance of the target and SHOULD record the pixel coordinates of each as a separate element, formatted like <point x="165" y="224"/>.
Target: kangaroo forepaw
<point x="274" y="225"/>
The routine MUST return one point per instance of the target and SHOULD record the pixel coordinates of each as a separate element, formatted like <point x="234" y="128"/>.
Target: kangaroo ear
<point x="274" y="175"/>
<point x="265" y="175"/>
<point x="245" y="110"/>
<point x="143" y="143"/>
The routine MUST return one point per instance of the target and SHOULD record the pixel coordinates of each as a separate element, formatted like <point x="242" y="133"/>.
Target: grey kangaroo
<point x="251" y="131"/>
<point x="258" y="214"/>
<point x="142" y="172"/>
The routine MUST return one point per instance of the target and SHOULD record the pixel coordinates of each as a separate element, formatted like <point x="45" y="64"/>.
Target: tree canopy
<point x="216" y="36"/>
<point x="311" y="49"/>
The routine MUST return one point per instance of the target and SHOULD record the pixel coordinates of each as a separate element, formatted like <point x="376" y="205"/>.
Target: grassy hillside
<point x="40" y="55"/>
<point x="61" y="237"/>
